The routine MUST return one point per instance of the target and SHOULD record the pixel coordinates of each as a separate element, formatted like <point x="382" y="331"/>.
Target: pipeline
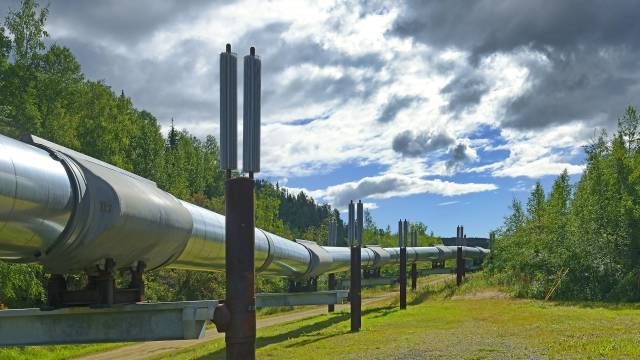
<point x="71" y="212"/>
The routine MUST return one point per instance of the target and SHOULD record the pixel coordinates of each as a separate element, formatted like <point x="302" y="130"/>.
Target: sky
<point x="434" y="111"/>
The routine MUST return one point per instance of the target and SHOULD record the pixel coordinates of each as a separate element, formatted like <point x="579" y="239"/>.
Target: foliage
<point x="43" y="92"/>
<point x="21" y="285"/>
<point x="592" y="229"/>
<point x="385" y="238"/>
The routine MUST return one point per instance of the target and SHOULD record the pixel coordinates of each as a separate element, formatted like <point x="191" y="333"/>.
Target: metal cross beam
<point x="134" y="322"/>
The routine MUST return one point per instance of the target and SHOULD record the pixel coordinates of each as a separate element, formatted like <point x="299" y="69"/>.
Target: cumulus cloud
<point x="459" y="154"/>
<point x="535" y="154"/>
<point x="394" y="106"/>
<point x="347" y="83"/>
<point x="413" y="144"/>
<point x="578" y="53"/>
<point x="389" y="185"/>
<point x="464" y="91"/>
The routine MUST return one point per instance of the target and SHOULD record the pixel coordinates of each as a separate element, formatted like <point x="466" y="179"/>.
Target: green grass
<point x="476" y="321"/>
<point x="54" y="351"/>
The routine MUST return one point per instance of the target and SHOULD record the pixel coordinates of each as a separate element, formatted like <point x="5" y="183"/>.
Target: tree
<point x="59" y="85"/>
<point x="629" y="127"/>
<point x="592" y="233"/>
<point x="27" y="27"/>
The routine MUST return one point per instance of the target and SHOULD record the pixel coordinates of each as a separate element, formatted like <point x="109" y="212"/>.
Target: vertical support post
<point x="351" y="225"/>
<point x="414" y="266"/>
<point x="251" y="113"/>
<point x="359" y="230"/>
<point x="459" y="265"/>
<point x="137" y="281"/>
<point x="332" y="286"/>
<point x="463" y="239"/>
<point x="106" y="284"/>
<point x="240" y="301"/>
<point x="403" y="265"/>
<point x="228" y="111"/>
<point x="331" y="281"/>
<point x="56" y="286"/>
<point x="354" y="289"/>
<point x="359" y="222"/>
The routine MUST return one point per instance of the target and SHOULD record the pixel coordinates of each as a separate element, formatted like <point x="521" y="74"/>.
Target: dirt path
<point x="152" y="348"/>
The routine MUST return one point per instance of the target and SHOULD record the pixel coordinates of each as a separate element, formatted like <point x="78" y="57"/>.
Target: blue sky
<point x="434" y="111"/>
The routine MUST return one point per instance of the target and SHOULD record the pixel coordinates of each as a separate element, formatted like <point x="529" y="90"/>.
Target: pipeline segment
<point x="70" y="212"/>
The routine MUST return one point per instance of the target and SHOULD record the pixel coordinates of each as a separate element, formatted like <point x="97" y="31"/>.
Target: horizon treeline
<point x="579" y="242"/>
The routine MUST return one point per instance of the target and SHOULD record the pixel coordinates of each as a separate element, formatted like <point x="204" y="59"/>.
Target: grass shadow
<point x="338" y="317"/>
<point x="262" y="341"/>
<point x="315" y="339"/>
<point x="443" y="290"/>
<point x="608" y="305"/>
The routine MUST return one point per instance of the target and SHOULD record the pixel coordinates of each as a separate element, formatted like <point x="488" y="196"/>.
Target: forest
<point x="44" y="92"/>
<point x="581" y="241"/>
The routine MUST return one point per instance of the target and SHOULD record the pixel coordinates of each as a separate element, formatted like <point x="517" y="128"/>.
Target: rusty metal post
<point x="331" y="241"/>
<point x="459" y="266"/>
<point x="240" y="301"/>
<point x="359" y="242"/>
<point x="463" y="239"/>
<point x="403" y="264"/>
<point x="414" y="266"/>
<point x="354" y="289"/>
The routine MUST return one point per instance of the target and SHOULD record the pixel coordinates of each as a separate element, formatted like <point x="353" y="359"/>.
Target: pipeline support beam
<point x="240" y="335"/>
<point x="354" y="290"/>
<point x="414" y="266"/>
<point x="402" y="237"/>
<point x="332" y="286"/>
<point x="459" y="266"/>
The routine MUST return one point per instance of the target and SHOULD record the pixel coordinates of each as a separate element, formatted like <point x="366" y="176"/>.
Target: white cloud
<point x="342" y="64"/>
<point x="389" y="186"/>
<point x="535" y="154"/>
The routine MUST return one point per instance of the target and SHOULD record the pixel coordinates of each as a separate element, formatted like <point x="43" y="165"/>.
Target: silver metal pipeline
<point x="70" y="212"/>
<point x="35" y="200"/>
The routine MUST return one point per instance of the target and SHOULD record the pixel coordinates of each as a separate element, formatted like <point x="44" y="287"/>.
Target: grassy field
<point x="54" y="352"/>
<point x="476" y="321"/>
<point x="71" y="351"/>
